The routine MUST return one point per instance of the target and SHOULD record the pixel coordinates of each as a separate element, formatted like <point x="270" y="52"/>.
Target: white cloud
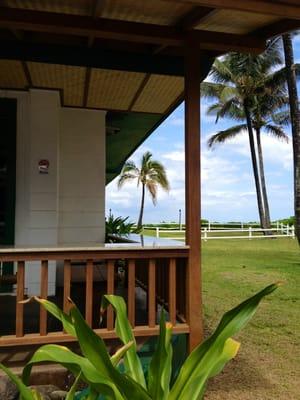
<point x="174" y="155"/>
<point x="274" y="151"/>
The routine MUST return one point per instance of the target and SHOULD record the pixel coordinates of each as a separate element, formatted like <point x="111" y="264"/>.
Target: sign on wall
<point x="43" y="166"/>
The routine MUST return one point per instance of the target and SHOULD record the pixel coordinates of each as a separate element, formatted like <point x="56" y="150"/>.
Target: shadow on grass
<point x="240" y="376"/>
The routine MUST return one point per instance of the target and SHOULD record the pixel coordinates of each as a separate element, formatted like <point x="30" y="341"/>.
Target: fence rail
<point x="159" y="273"/>
<point x="246" y="233"/>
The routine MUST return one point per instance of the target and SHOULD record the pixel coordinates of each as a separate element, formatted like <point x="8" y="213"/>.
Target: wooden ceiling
<point x="115" y="54"/>
<point x="127" y="55"/>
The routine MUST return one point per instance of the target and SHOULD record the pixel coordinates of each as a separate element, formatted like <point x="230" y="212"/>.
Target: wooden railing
<point x="150" y="276"/>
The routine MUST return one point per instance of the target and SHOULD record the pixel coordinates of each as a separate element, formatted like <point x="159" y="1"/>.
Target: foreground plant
<point x="100" y="372"/>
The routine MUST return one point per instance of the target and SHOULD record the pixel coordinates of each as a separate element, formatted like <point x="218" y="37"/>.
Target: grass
<point x="268" y="364"/>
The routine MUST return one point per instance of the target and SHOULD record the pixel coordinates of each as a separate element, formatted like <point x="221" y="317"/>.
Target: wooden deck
<point x="147" y="278"/>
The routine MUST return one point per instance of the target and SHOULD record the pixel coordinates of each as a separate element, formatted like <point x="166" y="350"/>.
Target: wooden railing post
<point x="151" y="294"/>
<point x="67" y="284"/>
<point x="172" y="290"/>
<point x="20" y="297"/>
<point x="89" y="279"/>
<point x="110" y="290"/>
<point x="158" y="272"/>
<point x="192" y="189"/>
<point x="131" y="292"/>
<point x="44" y="295"/>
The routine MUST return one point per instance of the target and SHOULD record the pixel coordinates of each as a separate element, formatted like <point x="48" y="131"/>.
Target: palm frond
<point x="220" y="72"/>
<point x="282" y="118"/>
<point x="158" y="174"/>
<point x="152" y="188"/>
<point x="125" y="178"/>
<point x="129" y="172"/>
<point x="277" y="132"/>
<point x="211" y="90"/>
<point x="225" y="135"/>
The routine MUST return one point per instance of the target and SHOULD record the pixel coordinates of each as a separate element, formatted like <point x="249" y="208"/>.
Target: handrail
<point x="108" y="253"/>
<point x="160" y="272"/>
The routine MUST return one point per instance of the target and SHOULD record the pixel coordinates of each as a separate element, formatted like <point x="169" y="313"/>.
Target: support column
<point x="192" y="191"/>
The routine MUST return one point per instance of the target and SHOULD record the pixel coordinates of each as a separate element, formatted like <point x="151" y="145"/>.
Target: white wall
<point x="82" y="177"/>
<point x="66" y="205"/>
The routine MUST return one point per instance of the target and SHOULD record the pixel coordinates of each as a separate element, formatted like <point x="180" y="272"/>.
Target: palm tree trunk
<point x="295" y="122"/>
<point x="255" y="168"/>
<point x="263" y="181"/>
<point x="140" y="220"/>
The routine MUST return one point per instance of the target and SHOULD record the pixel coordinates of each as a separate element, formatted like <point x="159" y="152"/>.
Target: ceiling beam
<point x="83" y="26"/>
<point x="27" y="73"/>
<point x="86" y="86"/>
<point x="268" y="7"/>
<point x="190" y="21"/>
<point x="139" y="91"/>
<point x="98" y="7"/>
<point x="96" y="12"/>
<point x="194" y="17"/>
<point x="277" y="28"/>
<point x="17" y="34"/>
<point x="95" y="58"/>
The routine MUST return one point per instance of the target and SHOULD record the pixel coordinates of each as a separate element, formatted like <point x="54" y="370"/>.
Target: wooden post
<point x="192" y="190"/>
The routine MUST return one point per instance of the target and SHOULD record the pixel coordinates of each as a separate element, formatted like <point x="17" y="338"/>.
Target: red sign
<point x="44" y="166"/>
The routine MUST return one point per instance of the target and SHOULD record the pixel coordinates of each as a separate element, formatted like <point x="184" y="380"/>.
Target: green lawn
<point x="268" y="364"/>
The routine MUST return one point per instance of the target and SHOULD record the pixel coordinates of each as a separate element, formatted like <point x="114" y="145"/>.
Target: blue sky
<point x="228" y="191"/>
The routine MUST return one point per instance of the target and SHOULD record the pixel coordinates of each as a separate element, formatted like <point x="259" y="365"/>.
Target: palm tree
<point x="151" y="174"/>
<point x="295" y="122"/>
<point x="263" y="118"/>
<point x="242" y="86"/>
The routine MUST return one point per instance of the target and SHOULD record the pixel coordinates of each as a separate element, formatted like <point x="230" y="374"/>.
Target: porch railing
<point x="159" y="274"/>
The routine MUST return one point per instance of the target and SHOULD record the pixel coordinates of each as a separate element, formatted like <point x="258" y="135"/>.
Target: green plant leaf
<point x="119" y="354"/>
<point x="76" y="364"/>
<point x="64" y="318"/>
<point x="160" y="368"/>
<point x="124" y="331"/>
<point x="69" y="327"/>
<point x="93" y="347"/>
<point x="72" y="391"/>
<point x="207" y="359"/>
<point x="25" y="392"/>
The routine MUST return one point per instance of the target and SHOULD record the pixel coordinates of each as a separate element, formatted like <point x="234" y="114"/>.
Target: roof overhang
<point x="126" y="56"/>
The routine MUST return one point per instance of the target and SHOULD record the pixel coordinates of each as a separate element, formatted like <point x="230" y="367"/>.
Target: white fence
<point x="209" y="233"/>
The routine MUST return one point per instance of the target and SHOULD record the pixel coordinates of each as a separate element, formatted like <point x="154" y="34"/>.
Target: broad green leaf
<point x="64" y="318"/>
<point x="25" y="392"/>
<point x="72" y="391"/>
<point x="229" y="351"/>
<point x="202" y="361"/>
<point x="69" y="327"/>
<point x="36" y="395"/>
<point x="76" y="364"/>
<point x="124" y="331"/>
<point x="93" y="347"/>
<point x="160" y="368"/>
<point x="119" y="354"/>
